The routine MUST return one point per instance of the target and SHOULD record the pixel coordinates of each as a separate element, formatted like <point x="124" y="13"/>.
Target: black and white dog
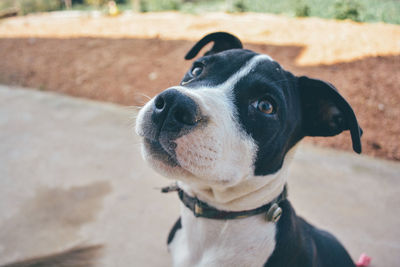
<point x="224" y="133"/>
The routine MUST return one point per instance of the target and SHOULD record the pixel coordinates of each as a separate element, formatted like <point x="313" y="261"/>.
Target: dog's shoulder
<point x="308" y="245"/>
<point x="290" y="241"/>
<point x="329" y="250"/>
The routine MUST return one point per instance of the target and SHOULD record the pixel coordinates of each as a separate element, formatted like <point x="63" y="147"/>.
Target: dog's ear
<point x="326" y="112"/>
<point x="222" y="41"/>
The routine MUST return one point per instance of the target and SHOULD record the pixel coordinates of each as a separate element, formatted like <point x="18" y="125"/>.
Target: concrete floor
<point x="71" y="173"/>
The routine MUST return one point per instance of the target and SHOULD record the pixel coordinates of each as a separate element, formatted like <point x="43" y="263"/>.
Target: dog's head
<point x="235" y="115"/>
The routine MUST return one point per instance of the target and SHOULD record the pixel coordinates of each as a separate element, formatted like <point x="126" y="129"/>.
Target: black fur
<point x="175" y="228"/>
<point x="299" y="244"/>
<point x="222" y="41"/>
<point x="326" y="112"/>
<point x="304" y="97"/>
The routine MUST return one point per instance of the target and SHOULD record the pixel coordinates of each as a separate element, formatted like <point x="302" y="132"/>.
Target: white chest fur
<point x="205" y="242"/>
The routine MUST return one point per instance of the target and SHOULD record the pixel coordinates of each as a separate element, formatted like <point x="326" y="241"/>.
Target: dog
<point x="223" y="133"/>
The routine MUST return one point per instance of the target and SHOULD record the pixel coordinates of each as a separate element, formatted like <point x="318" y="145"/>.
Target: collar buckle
<point x="198" y="210"/>
<point x="274" y="213"/>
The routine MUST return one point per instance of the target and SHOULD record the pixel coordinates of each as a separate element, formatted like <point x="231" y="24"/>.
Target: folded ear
<point x="326" y="112"/>
<point x="222" y="41"/>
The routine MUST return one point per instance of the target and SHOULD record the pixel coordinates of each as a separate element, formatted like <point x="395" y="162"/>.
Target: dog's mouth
<point x="165" y="154"/>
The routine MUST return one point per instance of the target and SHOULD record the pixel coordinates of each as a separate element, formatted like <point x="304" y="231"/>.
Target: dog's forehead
<point x="232" y="65"/>
<point x="230" y="59"/>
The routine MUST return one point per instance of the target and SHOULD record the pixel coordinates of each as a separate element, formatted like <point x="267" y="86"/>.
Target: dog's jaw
<point x="250" y="193"/>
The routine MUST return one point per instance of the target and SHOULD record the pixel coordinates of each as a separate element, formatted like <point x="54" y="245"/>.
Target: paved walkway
<point x="71" y="173"/>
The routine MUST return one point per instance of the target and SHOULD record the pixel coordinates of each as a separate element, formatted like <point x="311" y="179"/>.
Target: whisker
<point x="142" y="94"/>
<point x="147" y="98"/>
<point x="133" y="108"/>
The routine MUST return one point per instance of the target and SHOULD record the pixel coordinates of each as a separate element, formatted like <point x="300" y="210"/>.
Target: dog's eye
<point x="196" y="71"/>
<point x="264" y="105"/>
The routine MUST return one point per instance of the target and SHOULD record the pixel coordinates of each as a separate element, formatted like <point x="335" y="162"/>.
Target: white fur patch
<point x="219" y="154"/>
<point x="229" y="84"/>
<point x="204" y="242"/>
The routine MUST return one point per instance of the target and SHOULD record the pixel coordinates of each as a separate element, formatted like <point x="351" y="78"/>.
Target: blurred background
<point x="97" y="49"/>
<point x="357" y="10"/>
<point x="74" y="72"/>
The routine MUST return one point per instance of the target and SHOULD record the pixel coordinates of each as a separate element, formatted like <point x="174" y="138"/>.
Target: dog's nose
<point x="173" y="111"/>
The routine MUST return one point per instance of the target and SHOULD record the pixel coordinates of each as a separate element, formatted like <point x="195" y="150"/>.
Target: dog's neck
<point x="251" y="193"/>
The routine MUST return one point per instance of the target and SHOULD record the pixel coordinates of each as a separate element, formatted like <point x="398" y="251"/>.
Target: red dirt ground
<point x="108" y="60"/>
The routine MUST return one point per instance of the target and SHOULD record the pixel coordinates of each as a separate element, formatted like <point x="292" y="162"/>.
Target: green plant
<point x="159" y="5"/>
<point x="171" y="4"/>
<point x="29" y="6"/>
<point x="302" y="9"/>
<point x="240" y="6"/>
<point x="359" y="10"/>
<point x="4" y="4"/>
<point x="347" y="9"/>
<point x="96" y="2"/>
<point x="143" y="6"/>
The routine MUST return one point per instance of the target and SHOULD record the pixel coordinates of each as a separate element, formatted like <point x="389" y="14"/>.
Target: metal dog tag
<point x="274" y="213"/>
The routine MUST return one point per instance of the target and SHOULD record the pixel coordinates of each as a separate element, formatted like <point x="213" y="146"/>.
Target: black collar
<point x="201" y="209"/>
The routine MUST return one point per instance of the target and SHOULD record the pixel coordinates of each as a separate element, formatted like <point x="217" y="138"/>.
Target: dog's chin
<point x="154" y="149"/>
<point x="167" y="165"/>
<point x="161" y="161"/>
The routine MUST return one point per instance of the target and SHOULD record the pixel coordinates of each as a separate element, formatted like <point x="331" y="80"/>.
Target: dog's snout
<point x="173" y="111"/>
